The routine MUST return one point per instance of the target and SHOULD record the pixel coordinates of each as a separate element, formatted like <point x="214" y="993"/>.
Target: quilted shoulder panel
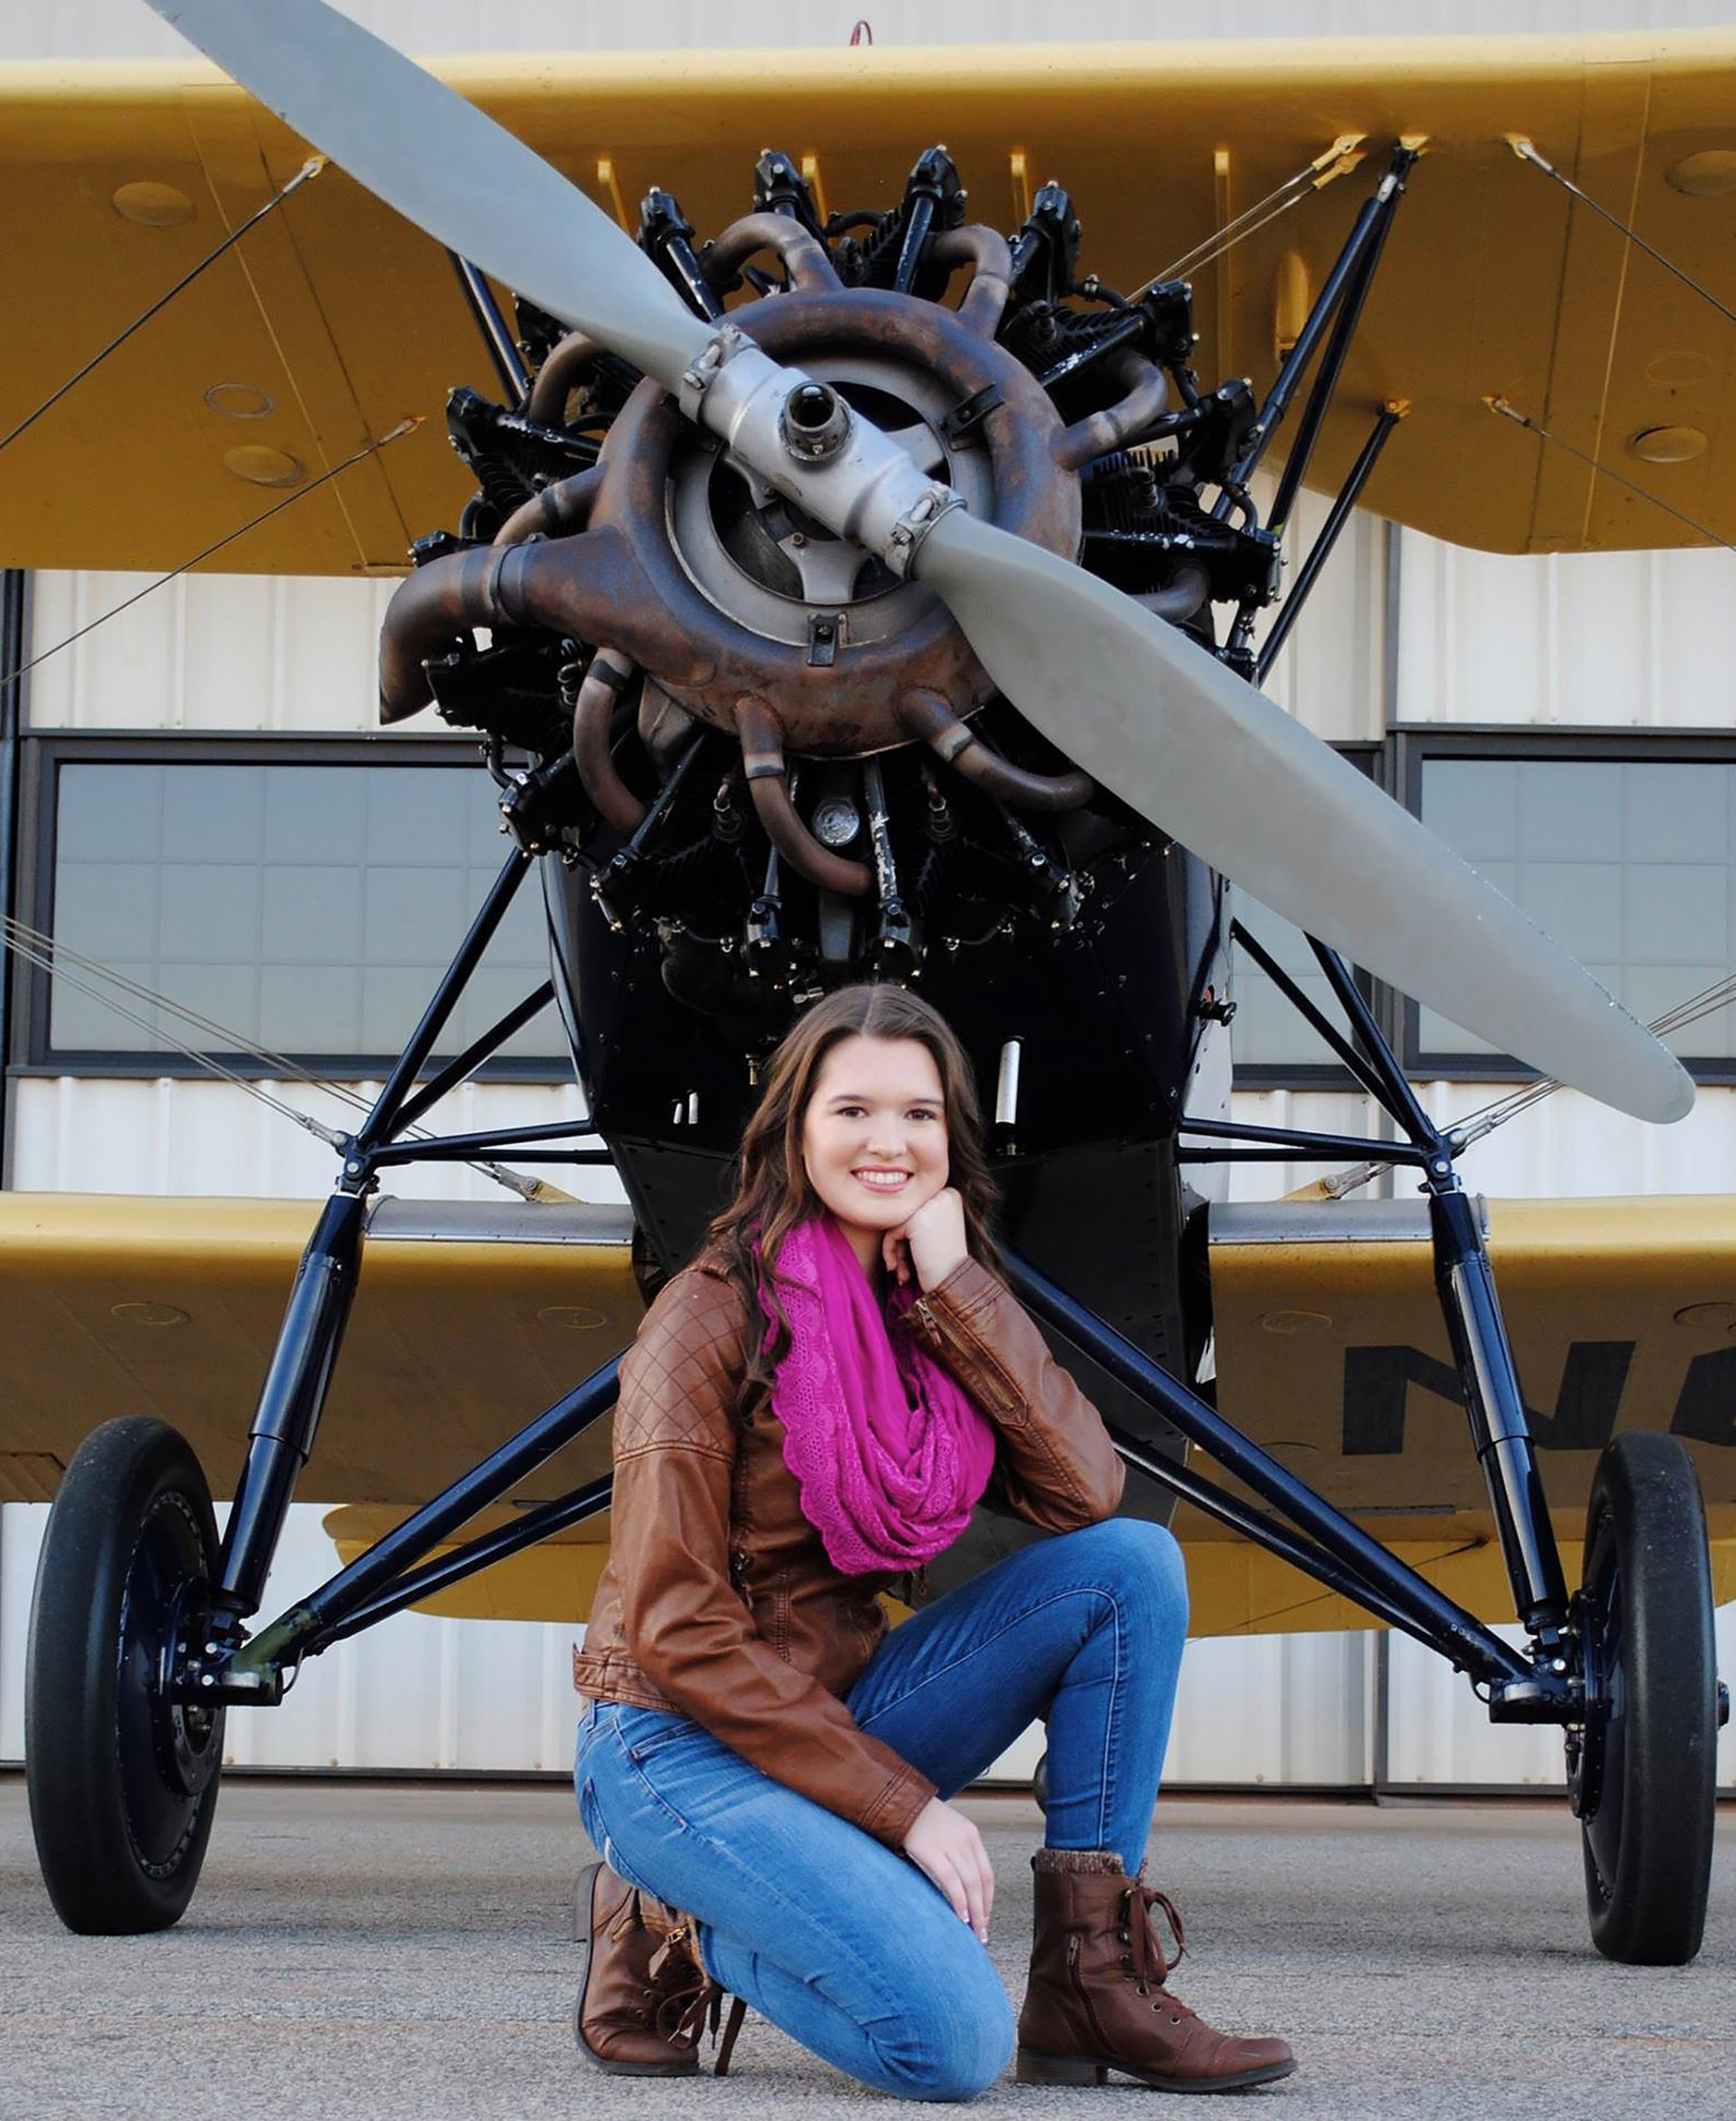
<point x="681" y="1379"/>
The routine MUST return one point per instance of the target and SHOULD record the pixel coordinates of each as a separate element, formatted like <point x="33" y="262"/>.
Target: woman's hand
<point x="946" y="1847"/>
<point x="930" y="1241"/>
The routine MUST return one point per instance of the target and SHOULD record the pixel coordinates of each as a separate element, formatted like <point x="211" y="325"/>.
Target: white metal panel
<point x="1569" y="1146"/>
<point x="1439" y="1732"/>
<point x="1272" y="1710"/>
<point x="232" y="652"/>
<point x="105" y="1135"/>
<point x="1621" y="640"/>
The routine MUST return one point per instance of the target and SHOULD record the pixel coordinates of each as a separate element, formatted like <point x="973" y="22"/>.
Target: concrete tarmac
<point x="401" y="1953"/>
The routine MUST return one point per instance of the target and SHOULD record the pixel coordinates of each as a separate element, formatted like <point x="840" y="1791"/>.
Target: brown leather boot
<point x="1096" y="2001"/>
<point x="645" y="1995"/>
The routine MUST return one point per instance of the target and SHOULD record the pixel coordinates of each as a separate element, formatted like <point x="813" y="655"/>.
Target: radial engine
<point x="750" y="740"/>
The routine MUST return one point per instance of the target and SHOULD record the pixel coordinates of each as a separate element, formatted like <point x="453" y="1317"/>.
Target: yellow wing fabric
<point x="334" y="319"/>
<point x="468" y="1321"/>
<point x="1331" y="1352"/>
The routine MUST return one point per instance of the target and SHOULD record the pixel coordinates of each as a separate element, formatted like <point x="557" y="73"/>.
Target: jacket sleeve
<point x="689" y="1630"/>
<point x="1056" y="1465"/>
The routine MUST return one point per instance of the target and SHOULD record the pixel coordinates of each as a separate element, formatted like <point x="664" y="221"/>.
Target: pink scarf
<point x="887" y="1449"/>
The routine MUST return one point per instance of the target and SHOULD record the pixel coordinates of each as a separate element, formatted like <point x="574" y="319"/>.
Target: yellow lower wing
<point x="468" y="1321"/>
<point x="470" y="1318"/>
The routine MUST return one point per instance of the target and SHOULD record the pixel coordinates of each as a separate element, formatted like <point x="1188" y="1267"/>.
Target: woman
<point x="808" y="1415"/>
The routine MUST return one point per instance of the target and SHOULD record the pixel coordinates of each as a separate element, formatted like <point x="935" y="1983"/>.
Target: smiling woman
<point x="809" y="1415"/>
<point x="874" y="1147"/>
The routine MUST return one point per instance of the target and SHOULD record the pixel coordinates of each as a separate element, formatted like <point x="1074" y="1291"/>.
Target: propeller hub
<point x="815" y="424"/>
<point x="751" y="596"/>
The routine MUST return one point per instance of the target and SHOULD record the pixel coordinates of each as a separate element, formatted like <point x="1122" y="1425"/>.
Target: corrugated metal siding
<point x="231" y="652"/>
<point x="99" y="1135"/>
<point x="1624" y="640"/>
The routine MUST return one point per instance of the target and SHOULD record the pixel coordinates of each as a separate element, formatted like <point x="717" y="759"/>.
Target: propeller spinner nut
<point x="814" y="423"/>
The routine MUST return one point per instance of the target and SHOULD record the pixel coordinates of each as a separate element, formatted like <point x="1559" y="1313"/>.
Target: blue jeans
<point x="827" y="1931"/>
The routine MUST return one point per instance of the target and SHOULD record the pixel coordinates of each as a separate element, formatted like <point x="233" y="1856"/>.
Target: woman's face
<point x="874" y="1136"/>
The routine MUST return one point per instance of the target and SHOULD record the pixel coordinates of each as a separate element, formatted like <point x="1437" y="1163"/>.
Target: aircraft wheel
<point x="1642" y="1774"/>
<point x="122" y="1779"/>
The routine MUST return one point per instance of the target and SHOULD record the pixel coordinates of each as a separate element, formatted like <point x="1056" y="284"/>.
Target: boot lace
<point x="689" y="2002"/>
<point x="1147" y="1959"/>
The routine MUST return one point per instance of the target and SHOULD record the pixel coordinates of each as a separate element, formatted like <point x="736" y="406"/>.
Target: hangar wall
<point x="1404" y="632"/>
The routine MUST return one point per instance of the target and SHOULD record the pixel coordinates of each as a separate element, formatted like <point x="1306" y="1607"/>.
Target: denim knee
<point x="952" y="2045"/>
<point x="1138" y="1555"/>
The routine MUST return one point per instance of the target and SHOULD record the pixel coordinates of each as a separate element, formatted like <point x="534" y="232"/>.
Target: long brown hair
<point x="772" y="1192"/>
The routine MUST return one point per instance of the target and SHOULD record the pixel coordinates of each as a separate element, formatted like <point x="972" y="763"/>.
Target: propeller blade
<point x="448" y="168"/>
<point x="1203" y="756"/>
<point x="1217" y="766"/>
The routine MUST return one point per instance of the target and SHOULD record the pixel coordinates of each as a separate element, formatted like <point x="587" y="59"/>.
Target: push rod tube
<point x="1344" y="330"/>
<point x="509" y="364"/>
<point x="1394" y="1089"/>
<point x="475" y="1554"/>
<point x="457" y="1147"/>
<point x="386" y="1119"/>
<point x="465" y="1065"/>
<point x="1375" y="212"/>
<point x="1290" y="1138"/>
<point x="290" y="1637"/>
<point x="1304" y="1007"/>
<point x="1496" y="1407"/>
<point x="1321" y="550"/>
<point x="282" y="1435"/>
<point x="1456" y="1634"/>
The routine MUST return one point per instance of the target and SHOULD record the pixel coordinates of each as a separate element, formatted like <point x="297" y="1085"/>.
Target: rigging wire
<point x="38" y="948"/>
<point x="1476" y="1125"/>
<point x="1338" y="158"/>
<point x="369" y="449"/>
<point x="1523" y="420"/>
<point x="46" y="961"/>
<point x="308" y="169"/>
<point x="1527" y="153"/>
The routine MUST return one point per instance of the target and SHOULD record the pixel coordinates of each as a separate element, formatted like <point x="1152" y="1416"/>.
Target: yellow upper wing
<point x="334" y="320"/>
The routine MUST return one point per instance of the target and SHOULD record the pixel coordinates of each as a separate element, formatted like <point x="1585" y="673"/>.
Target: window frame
<point x="46" y="752"/>
<point x="1413" y="744"/>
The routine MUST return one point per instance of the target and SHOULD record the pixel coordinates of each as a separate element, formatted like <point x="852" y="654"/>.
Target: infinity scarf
<point x="887" y="1449"/>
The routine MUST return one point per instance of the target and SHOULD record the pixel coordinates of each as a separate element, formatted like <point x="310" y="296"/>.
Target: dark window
<point x="307" y="904"/>
<point x="1622" y="854"/>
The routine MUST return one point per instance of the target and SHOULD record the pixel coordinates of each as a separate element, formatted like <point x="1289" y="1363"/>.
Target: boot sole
<point x="1033" y="2069"/>
<point x="676" y="2066"/>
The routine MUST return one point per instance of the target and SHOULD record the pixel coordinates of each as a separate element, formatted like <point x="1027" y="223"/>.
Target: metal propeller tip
<point x="449" y="168"/>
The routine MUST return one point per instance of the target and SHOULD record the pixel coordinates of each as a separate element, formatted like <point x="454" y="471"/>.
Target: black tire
<point x="1644" y="1776"/>
<point x="123" y="1781"/>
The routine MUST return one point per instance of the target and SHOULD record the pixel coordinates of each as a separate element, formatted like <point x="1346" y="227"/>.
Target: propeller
<point x="1143" y="709"/>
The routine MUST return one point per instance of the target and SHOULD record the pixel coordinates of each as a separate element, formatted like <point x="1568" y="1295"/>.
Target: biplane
<point x="865" y="589"/>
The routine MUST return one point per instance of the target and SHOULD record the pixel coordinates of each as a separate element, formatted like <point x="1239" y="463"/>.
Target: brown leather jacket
<point x="718" y="1601"/>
